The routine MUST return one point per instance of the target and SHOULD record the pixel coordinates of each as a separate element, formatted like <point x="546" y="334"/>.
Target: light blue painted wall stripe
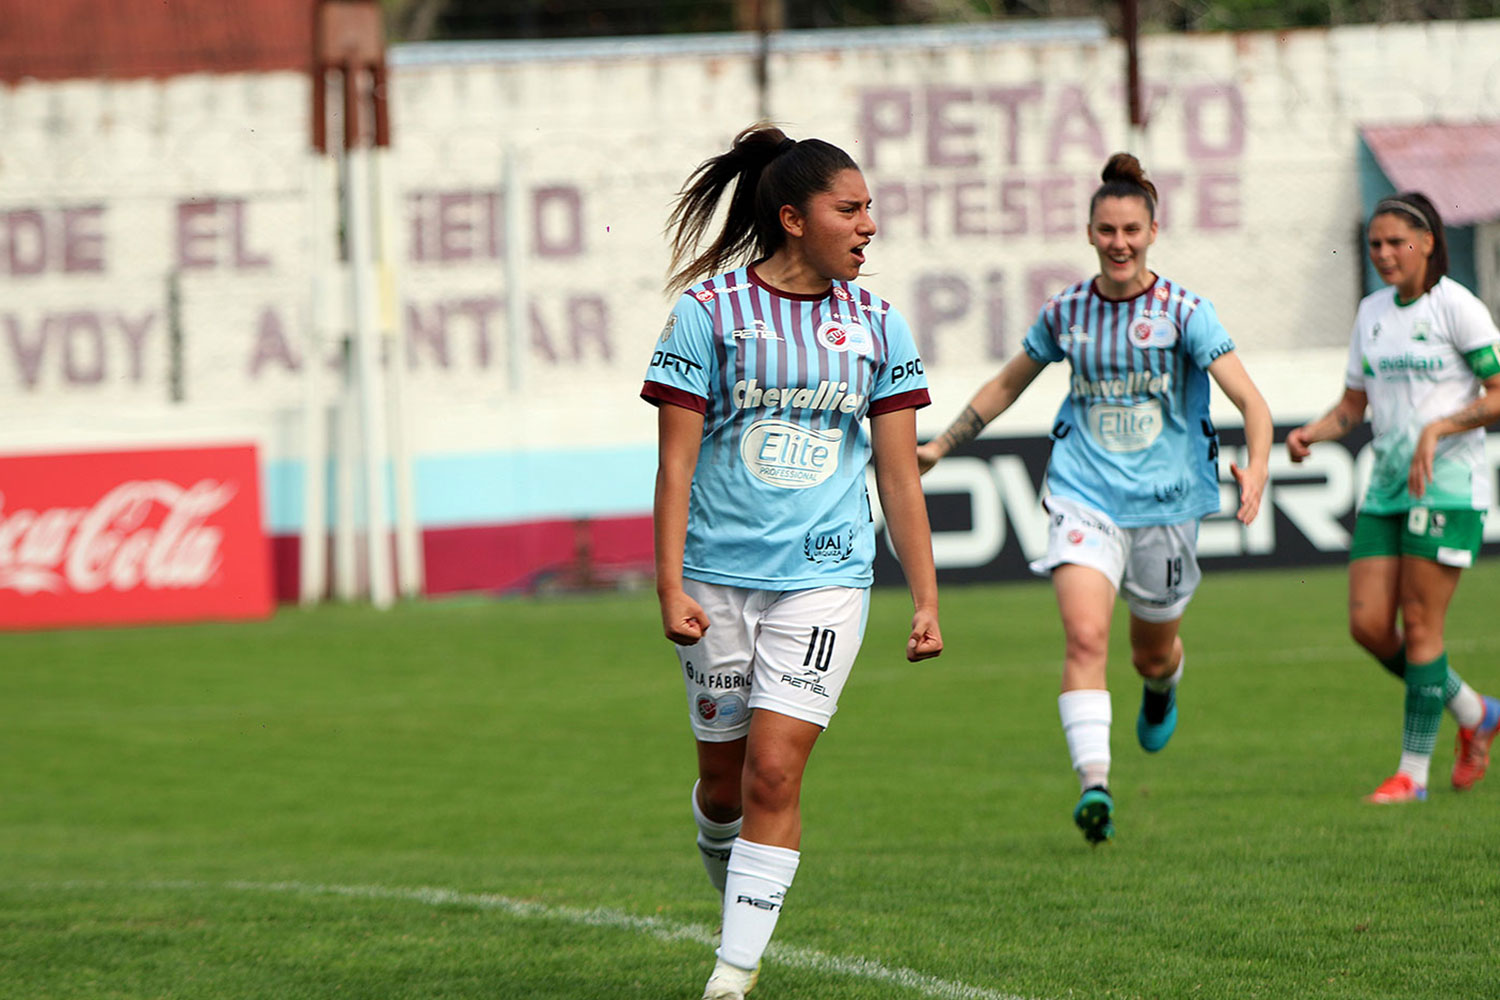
<point x="497" y="487"/>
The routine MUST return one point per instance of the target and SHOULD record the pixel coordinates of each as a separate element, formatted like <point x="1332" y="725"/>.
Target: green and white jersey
<point x="1419" y="362"/>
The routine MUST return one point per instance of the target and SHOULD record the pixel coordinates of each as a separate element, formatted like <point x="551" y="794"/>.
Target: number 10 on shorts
<point x="820" y="649"/>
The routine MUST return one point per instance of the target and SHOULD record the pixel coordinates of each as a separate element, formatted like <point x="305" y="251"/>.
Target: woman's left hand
<point x="1422" y="457"/>
<point x="1252" y="485"/>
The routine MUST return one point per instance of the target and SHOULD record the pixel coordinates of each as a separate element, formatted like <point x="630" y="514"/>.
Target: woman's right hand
<point x="682" y="618"/>
<point x="1298" y="446"/>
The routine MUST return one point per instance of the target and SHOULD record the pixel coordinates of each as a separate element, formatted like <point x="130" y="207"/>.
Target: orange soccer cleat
<point x="1472" y="755"/>
<point x="1397" y="788"/>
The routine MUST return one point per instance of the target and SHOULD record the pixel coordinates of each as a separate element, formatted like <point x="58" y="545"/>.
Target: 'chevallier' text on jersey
<point x="1417" y="363"/>
<point x="784" y="383"/>
<point x="1133" y="438"/>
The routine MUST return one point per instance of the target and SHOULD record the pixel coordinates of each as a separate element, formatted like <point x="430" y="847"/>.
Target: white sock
<point x="715" y="840"/>
<point x="1467" y="707"/>
<point x="1086" y="717"/>
<point x="1416" y="765"/>
<point x="759" y="876"/>
<point x="1161" y="685"/>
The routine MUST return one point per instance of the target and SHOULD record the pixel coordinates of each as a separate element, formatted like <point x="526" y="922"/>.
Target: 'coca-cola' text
<point x="150" y="533"/>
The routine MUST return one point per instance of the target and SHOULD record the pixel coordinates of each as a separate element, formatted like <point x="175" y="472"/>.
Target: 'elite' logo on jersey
<point x="788" y="455"/>
<point x="1126" y="428"/>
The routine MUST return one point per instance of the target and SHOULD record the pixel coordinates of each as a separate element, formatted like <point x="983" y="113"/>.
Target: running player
<point x="1423" y="358"/>
<point x="763" y="378"/>
<point x="1134" y="467"/>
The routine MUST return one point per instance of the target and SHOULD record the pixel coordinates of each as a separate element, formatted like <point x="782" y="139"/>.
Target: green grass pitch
<point x="489" y="799"/>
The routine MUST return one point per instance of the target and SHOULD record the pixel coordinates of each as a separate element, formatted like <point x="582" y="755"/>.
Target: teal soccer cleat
<point x="1158" y="719"/>
<point x="1095" y="814"/>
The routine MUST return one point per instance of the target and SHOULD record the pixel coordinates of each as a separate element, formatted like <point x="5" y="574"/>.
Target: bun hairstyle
<point x="1417" y="210"/>
<point x="768" y="170"/>
<point x="1124" y="177"/>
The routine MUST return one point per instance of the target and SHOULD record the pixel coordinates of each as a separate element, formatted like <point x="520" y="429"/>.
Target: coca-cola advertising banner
<point x="117" y="537"/>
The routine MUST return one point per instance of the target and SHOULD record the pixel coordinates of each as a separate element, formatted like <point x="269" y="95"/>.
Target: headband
<point x="1404" y="207"/>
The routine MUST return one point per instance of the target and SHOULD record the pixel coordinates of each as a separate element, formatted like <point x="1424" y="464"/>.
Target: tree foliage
<point x="420" y="20"/>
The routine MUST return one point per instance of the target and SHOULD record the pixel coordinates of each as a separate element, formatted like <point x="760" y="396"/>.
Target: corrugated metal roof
<point x="1457" y="166"/>
<point x="122" y="39"/>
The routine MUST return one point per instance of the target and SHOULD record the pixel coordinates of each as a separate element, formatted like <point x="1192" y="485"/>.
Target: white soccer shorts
<point x="1156" y="566"/>
<point x="786" y="651"/>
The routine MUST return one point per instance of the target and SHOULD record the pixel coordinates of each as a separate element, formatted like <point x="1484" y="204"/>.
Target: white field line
<point x="661" y="930"/>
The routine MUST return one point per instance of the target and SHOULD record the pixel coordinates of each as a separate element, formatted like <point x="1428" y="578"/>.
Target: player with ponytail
<point x="1134" y="467"/>
<point x="1424" y="358"/>
<point x="777" y="381"/>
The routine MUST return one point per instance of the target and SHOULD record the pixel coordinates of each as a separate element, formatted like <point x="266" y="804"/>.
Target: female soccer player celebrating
<point x="1423" y="358"/>
<point x="763" y="378"/>
<point x="1134" y="467"/>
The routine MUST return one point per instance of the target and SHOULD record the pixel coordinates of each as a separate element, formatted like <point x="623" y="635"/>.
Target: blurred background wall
<point x="161" y="265"/>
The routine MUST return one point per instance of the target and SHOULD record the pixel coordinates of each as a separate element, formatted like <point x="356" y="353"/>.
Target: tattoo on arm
<point x="1476" y="414"/>
<point x="965" y="428"/>
<point x="1343" y="421"/>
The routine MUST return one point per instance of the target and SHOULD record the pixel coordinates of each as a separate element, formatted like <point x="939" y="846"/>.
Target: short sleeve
<point x="680" y="365"/>
<point x="1039" y="344"/>
<point x="1206" y="338"/>
<point x="1354" y="368"/>
<point x="901" y="383"/>
<point x="1470" y="321"/>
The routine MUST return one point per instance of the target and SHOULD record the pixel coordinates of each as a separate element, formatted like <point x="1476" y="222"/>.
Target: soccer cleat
<point x="1158" y="718"/>
<point x="730" y="982"/>
<point x="1396" y="789"/>
<point x="1095" y="814"/>
<point x="1472" y="755"/>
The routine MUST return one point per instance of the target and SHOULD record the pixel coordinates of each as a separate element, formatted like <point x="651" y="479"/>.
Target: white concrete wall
<point x="981" y="158"/>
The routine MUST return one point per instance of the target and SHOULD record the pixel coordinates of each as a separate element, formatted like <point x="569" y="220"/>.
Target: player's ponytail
<point x="1417" y="210"/>
<point x="1124" y="177"/>
<point x="768" y="170"/>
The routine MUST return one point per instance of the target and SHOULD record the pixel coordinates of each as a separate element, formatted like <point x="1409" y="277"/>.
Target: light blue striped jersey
<point x="784" y="383"/>
<point x="1133" y="438"/>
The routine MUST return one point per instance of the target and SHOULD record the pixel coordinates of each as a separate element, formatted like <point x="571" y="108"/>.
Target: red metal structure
<point x="128" y="39"/>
